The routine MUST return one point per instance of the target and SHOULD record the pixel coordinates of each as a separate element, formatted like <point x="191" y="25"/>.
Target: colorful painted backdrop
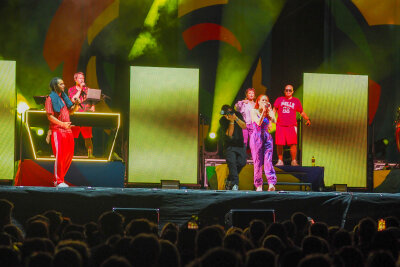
<point x="238" y="44"/>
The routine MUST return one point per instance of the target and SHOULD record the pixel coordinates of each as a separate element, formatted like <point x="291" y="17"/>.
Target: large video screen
<point x="163" y="125"/>
<point x="7" y="119"/>
<point x="338" y="108"/>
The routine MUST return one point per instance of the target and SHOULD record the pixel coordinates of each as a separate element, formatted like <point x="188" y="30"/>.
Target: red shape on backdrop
<point x="31" y="174"/>
<point x="67" y="32"/>
<point x="203" y="32"/>
<point x="374" y="94"/>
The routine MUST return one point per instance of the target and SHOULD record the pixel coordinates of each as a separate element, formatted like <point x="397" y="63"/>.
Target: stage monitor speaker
<point x="170" y="184"/>
<point x="242" y="217"/>
<point x="340" y="187"/>
<point x="130" y="214"/>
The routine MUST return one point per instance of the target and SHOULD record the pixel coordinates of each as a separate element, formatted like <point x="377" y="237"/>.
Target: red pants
<point x="85" y="131"/>
<point x="63" y="149"/>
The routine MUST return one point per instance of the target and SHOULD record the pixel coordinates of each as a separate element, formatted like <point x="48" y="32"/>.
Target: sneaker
<point x="279" y="163"/>
<point x="294" y="163"/>
<point x="62" y="185"/>
<point x="235" y="187"/>
<point x="271" y="187"/>
<point x="259" y="188"/>
<point x="228" y="185"/>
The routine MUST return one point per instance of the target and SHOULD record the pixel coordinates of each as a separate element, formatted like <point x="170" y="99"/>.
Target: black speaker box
<point x="242" y="217"/>
<point x="130" y="214"/>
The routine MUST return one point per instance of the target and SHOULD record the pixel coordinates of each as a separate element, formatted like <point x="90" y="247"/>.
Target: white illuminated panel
<point x="163" y="125"/>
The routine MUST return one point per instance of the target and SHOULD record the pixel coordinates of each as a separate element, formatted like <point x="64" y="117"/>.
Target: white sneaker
<point x="235" y="187"/>
<point x="279" y="163"/>
<point x="259" y="188"/>
<point x="294" y="163"/>
<point x="62" y="185"/>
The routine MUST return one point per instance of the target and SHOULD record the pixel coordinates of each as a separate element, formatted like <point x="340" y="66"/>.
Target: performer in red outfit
<point x="286" y="126"/>
<point x="79" y="92"/>
<point x="58" y="107"/>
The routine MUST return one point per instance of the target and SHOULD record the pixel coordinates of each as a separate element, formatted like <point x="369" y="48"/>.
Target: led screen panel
<point x="7" y="119"/>
<point x="163" y="125"/>
<point x="338" y="108"/>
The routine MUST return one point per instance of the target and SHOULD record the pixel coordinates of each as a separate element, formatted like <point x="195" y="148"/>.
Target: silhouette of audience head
<point x="380" y="258"/>
<point x="260" y="257"/>
<point x="315" y="260"/>
<point x="208" y="238"/>
<point x="351" y="256"/>
<point x="257" y="230"/>
<point x="116" y="261"/>
<point x="67" y="257"/>
<point x="6" y="208"/>
<point x="319" y="229"/>
<point x="314" y="244"/>
<point x="111" y="223"/>
<point x="220" y="257"/>
<point x="169" y="255"/>
<point x="140" y="226"/>
<point x="40" y="259"/>
<point x="144" y="250"/>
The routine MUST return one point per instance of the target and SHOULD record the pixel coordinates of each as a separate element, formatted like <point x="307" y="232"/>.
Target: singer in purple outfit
<point x="261" y="143"/>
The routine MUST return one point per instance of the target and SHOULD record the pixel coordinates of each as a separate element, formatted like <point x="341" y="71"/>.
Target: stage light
<point x="40" y="131"/>
<point x="380" y="148"/>
<point x="22" y="107"/>
<point x="212" y="135"/>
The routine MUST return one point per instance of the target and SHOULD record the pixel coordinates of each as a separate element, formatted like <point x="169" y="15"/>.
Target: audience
<point x="50" y="239"/>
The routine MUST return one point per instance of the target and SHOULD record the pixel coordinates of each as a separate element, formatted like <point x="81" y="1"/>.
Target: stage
<point x="84" y="204"/>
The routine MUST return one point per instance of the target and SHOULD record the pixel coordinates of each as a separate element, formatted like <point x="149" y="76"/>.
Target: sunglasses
<point x="288" y="90"/>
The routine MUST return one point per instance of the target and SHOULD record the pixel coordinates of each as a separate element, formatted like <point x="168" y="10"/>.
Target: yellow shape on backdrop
<point x="187" y="6"/>
<point x="379" y="12"/>
<point x="108" y="15"/>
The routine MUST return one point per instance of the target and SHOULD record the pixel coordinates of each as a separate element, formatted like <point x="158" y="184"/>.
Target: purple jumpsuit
<point x="261" y="144"/>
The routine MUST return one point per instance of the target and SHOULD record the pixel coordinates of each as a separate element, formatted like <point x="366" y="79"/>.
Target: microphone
<point x="105" y="96"/>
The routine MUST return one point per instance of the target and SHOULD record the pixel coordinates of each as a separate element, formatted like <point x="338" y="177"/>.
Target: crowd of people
<point x="49" y="239"/>
<point x="250" y="125"/>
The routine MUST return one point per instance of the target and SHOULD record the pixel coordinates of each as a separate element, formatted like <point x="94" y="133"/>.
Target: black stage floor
<point x="84" y="204"/>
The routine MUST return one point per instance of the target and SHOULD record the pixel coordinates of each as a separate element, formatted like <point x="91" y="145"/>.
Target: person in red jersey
<point x="286" y="127"/>
<point x="79" y="92"/>
<point x="58" y="108"/>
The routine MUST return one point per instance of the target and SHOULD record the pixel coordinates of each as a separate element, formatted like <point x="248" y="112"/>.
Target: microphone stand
<point x="202" y="173"/>
<point x="20" y="148"/>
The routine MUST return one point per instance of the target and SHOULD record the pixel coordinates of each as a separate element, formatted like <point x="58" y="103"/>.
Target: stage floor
<point x="84" y="204"/>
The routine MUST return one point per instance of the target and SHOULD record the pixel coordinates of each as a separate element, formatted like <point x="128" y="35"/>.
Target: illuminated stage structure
<point x="108" y="122"/>
<point x="99" y="171"/>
